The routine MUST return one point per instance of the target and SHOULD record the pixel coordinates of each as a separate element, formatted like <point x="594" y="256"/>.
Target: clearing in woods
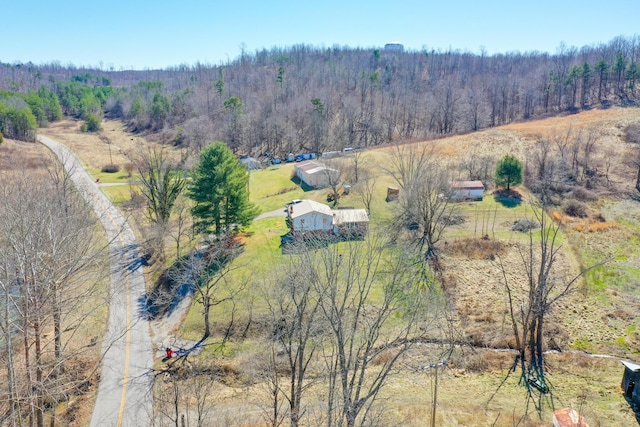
<point x="602" y="317"/>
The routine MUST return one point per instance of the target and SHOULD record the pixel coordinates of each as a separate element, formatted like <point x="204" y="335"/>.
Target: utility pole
<point x="435" y="366"/>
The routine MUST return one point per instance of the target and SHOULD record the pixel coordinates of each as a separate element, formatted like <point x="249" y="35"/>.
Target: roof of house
<point x="631" y="366"/>
<point x="467" y="185"/>
<point x="312" y="167"/>
<point x="308" y="206"/>
<point x="344" y="216"/>
<point x="250" y="163"/>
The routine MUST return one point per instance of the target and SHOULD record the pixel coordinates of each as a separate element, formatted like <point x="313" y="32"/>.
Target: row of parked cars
<point x="308" y="156"/>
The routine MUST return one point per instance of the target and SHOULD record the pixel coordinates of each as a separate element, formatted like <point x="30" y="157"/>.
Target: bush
<point x="128" y="168"/>
<point x="583" y="195"/>
<point x="111" y="168"/>
<point x="524" y="225"/>
<point x="91" y="124"/>
<point x="632" y="133"/>
<point x="454" y="220"/>
<point x="576" y="209"/>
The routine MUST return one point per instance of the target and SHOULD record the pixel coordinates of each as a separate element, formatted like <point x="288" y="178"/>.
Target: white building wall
<point x="313" y="221"/>
<point x="466" y="193"/>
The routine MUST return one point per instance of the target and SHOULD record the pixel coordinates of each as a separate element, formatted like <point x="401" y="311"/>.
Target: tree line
<point x="305" y="98"/>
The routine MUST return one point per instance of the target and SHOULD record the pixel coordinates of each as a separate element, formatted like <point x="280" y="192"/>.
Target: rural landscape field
<point x="477" y="311"/>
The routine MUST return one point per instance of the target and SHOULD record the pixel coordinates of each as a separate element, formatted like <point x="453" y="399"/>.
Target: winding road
<point x="124" y="394"/>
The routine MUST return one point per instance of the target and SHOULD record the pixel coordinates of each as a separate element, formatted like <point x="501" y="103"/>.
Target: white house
<point x="309" y="217"/>
<point x="315" y="174"/>
<point x="461" y="190"/>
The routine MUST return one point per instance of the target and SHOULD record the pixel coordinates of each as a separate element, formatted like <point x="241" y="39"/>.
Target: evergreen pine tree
<point x="220" y="192"/>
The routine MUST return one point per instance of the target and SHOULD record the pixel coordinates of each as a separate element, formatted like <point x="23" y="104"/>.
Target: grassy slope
<point x="600" y="318"/>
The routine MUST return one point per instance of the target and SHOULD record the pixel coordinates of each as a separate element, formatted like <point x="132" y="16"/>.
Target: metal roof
<point x="307" y="206"/>
<point x="342" y="216"/>
<point x="467" y="185"/>
<point x="631" y="366"/>
<point x="311" y="167"/>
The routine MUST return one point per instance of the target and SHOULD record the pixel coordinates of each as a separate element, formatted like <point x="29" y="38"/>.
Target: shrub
<point x="632" y="133"/>
<point x="576" y="209"/>
<point x="111" y="168"/>
<point x="454" y="220"/>
<point x="128" y="168"/>
<point x="584" y="195"/>
<point x="474" y="248"/>
<point x="91" y="124"/>
<point x="524" y="225"/>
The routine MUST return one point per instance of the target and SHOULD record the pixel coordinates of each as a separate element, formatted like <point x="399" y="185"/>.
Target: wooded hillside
<point x="304" y="98"/>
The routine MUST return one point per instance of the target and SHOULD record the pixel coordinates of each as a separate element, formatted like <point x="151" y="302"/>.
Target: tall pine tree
<point x="220" y="192"/>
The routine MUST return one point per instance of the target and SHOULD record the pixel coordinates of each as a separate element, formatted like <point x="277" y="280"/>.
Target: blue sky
<point x="156" y="34"/>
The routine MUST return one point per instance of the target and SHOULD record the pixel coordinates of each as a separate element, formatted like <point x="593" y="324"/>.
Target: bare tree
<point x="294" y="308"/>
<point x="425" y="201"/>
<point x="365" y="188"/>
<point x="531" y="303"/>
<point x="334" y="177"/>
<point x="362" y="346"/>
<point x="180" y="229"/>
<point x="50" y="250"/>
<point x="208" y="271"/>
<point x="477" y="166"/>
<point x="162" y="183"/>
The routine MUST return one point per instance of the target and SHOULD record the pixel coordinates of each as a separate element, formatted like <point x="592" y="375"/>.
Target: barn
<point x="464" y="190"/>
<point x="315" y="174"/>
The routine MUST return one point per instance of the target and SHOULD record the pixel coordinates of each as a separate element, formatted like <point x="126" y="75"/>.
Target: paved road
<point x="124" y="394"/>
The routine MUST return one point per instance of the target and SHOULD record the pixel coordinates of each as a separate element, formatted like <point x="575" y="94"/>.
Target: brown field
<point x="601" y="316"/>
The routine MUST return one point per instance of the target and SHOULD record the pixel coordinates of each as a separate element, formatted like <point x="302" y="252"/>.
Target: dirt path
<point x="124" y="395"/>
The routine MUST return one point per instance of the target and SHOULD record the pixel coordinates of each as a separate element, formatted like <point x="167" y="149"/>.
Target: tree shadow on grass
<point x="180" y="280"/>
<point x="172" y="287"/>
<point x="292" y="245"/>
<point x="508" y="199"/>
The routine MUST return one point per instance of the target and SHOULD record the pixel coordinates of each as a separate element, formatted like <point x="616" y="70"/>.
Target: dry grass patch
<point x="19" y="156"/>
<point x="475" y="248"/>
<point x="593" y="226"/>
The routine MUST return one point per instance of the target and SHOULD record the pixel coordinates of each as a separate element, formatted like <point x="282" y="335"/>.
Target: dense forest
<point x="305" y="98"/>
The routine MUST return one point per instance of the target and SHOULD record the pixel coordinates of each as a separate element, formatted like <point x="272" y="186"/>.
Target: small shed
<point x="316" y="175"/>
<point x="461" y="190"/>
<point x="630" y="380"/>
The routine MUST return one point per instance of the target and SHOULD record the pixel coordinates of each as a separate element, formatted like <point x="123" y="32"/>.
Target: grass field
<point x="601" y="316"/>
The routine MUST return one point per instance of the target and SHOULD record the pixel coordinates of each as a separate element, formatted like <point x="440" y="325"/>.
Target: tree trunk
<point x="207" y="308"/>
